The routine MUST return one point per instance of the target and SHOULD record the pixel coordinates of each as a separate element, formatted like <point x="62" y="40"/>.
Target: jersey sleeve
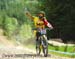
<point x="47" y="23"/>
<point x="35" y="18"/>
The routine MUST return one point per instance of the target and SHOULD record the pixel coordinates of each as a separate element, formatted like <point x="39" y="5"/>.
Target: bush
<point x="1" y="21"/>
<point x="10" y="25"/>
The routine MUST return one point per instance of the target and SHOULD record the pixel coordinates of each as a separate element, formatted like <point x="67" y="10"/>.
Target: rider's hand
<point x="27" y="13"/>
<point x="50" y="28"/>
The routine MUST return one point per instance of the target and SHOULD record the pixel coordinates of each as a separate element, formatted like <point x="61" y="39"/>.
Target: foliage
<point x="10" y="25"/>
<point x="1" y="21"/>
<point x="60" y="13"/>
<point x="13" y="19"/>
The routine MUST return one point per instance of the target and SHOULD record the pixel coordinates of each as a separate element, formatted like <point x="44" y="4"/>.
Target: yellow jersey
<point x="38" y="23"/>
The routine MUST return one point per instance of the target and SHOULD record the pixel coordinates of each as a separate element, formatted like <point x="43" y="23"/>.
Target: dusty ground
<point x="9" y="51"/>
<point x="19" y="52"/>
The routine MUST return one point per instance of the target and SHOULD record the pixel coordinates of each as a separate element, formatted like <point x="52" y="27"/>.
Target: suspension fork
<point x="44" y="37"/>
<point x="42" y="40"/>
<point x="45" y="44"/>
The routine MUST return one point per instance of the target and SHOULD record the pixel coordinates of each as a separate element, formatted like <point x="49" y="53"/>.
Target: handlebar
<point x="39" y="29"/>
<point x="48" y="28"/>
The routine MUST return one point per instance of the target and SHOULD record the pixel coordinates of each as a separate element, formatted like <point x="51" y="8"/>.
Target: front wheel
<point x="45" y="51"/>
<point x="45" y="47"/>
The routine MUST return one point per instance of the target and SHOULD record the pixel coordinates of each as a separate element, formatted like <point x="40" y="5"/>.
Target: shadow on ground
<point x="30" y="55"/>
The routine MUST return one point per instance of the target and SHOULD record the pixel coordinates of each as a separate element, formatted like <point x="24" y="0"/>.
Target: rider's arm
<point x="29" y="15"/>
<point x="48" y="24"/>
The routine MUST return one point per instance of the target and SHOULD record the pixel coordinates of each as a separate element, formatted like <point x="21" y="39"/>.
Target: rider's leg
<point x="37" y="40"/>
<point x="38" y="50"/>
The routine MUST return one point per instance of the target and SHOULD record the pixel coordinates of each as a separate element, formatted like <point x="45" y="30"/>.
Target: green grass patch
<point x="69" y="49"/>
<point x="63" y="48"/>
<point x="62" y="55"/>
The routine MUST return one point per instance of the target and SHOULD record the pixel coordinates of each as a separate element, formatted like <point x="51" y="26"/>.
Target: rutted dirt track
<point x="9" y="51"/>
<point x="19" y="52"/>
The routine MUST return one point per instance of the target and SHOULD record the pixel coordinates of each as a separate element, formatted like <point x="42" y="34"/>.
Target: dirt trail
<point x="3" y="40"/>
<point x="9" y="51"/>
<point x="20" y="52"/>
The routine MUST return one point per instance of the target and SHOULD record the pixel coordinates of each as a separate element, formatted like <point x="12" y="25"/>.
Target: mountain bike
<point x="41" y="43"/>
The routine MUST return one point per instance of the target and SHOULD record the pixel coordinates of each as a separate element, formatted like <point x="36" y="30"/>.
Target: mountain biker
<point x="40" y="22"/>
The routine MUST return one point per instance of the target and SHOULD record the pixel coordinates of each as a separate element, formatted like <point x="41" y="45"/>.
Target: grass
<point x="62" y="55"/>
<point x="62" y="48"/>
<point x="70" y="49"/>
